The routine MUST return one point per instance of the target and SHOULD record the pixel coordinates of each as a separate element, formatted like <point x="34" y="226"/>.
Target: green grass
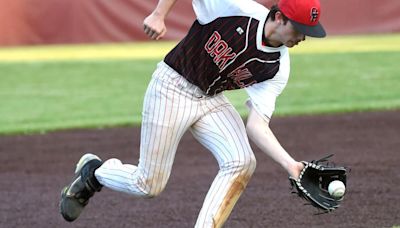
<point x="44" y="96"/>
<point x="332" y="83"/>
<point x="342" y="82"/>
<point x="103" y="85"/>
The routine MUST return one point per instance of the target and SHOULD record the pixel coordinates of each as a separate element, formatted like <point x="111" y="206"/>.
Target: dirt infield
<point x="34" y="168"/>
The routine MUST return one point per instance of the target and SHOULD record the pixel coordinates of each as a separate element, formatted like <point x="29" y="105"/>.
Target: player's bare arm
<point x="260" y="133"/>
<point x="154" y="25"/>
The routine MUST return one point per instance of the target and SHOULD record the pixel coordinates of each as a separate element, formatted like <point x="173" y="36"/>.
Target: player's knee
<point x="154" y="192"/>
<point x="153" y="187"/>
<point x="250" y="165"/>
<point x="246" y="166"/>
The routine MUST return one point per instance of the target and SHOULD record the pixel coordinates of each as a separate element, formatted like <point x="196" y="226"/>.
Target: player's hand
<point x="295" y="170"/>
<point x="154" y="26"/>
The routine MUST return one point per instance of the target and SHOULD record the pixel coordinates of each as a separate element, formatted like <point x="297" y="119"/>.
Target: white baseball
<point x="336" y="189"/>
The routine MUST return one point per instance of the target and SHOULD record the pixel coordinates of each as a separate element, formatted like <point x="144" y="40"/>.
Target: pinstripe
<point x="210" y="142"/>
<point x="240" y="21"/>
<point x="147" y="102"/>
<point x="213" y="142"/>
<point x="153" y="131"/>
<point x="163" y="149"/>
<point x="218" y="132"/>
<point x="238" y="149"/>
<point x="158" y="143"/>
<point x="172" y="106"/>
<point x="169" y="158"/>
<point x="217" y="185"/>
<point x="244" y="48"/>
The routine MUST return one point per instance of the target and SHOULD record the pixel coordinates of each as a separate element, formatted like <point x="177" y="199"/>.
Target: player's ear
<point x="279" y="17"/>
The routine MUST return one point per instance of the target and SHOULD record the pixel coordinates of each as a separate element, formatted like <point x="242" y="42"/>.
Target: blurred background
<point x="86" y="63"/>
<point x="75" y="64"/>
<point x="33" y="22"/>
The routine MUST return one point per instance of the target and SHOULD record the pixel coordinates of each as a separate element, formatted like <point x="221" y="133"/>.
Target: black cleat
<point x="75" y="196"/>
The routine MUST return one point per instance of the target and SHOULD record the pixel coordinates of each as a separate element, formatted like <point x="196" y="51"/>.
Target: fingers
<point x="162" y="34"/>
<point x="153" y="34"/>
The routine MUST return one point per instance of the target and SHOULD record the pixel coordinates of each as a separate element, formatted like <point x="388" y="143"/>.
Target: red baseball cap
<point x="304" y="15"/>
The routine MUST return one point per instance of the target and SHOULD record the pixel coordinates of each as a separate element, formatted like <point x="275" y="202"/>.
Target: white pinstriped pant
<point x="171" y="106"/>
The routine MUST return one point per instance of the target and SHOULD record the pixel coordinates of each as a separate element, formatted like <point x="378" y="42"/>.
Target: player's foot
<point x="75" y="196"/>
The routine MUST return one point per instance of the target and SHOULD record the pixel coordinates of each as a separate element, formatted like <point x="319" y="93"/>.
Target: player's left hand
<point x="313" y="181"/>
<point x="154" y="26"/>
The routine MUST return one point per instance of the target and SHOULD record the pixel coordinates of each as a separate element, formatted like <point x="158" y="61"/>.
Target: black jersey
<point x="223" y="50"/>
<point x="223" y="55"/>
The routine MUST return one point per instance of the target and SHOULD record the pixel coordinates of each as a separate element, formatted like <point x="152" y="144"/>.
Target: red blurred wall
<point x="27" y="22"/>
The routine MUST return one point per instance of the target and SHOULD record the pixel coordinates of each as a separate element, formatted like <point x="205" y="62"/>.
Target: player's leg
<point x="164" y="122"/>
<point x="222" y="132"/>
<point x="167" y="114"/>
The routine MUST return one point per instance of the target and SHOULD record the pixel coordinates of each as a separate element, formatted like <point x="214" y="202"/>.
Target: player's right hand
<point x="154" y="26"/>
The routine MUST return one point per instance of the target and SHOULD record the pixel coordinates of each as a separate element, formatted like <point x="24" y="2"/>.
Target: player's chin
<point x="291" y="44"/>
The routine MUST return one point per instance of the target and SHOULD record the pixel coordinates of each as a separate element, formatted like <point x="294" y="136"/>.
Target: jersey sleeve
<point x="263" y="95"/>
<point x="208" y="10"/>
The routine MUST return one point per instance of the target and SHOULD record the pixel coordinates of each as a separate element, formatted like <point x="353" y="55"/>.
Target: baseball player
<point x="232" y="44"/>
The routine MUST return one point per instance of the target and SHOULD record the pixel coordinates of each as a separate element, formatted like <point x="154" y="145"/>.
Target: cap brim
<point x="313" y="31"/>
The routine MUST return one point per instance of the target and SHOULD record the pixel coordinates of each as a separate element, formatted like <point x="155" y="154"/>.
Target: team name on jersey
<point x="219" y="50"/>
<point x="242" y="77"/>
